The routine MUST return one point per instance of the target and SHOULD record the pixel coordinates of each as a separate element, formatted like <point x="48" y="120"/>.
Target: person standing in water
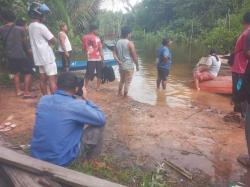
<point x="209" y="71"/>
<point x="164" y="64"/>
<point x="64" y="46"/>
<point x="126" y="56"/>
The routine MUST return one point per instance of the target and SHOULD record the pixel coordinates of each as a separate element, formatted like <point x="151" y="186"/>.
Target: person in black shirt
<point x="13" y="38"/>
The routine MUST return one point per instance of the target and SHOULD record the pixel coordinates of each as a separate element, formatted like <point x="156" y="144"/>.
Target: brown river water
<point x="175" y="126"/>
<point x="219" y="143"/>
<point x="179" y="92"/>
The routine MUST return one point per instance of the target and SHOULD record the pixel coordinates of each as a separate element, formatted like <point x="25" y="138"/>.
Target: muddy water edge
<point x="180" y="125"/>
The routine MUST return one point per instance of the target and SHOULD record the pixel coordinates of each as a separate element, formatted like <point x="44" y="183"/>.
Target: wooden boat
<point x="220" y="85"/>
<point x="82" y="64"/>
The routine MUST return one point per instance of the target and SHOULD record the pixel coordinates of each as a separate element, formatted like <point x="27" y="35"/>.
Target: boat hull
<point x="82" y="65"/>
<point x="220" y="85"/>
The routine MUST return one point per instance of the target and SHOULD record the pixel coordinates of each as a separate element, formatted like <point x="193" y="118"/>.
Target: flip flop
<point x="244" y="160"/>
<point x="7" y="124"/>
<point x="19" y="93"/>
<point x="6" y="129"/>
<point x="29" y="96"/>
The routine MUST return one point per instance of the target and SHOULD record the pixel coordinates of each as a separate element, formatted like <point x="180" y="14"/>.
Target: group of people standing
<point x="62" y="117"/>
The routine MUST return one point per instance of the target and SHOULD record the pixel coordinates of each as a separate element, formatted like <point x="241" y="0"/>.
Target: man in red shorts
<point x="92" y="46"/>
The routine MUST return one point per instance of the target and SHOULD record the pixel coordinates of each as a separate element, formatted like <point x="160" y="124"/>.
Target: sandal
<point x="20" y="93"/>
<point x="244" y="160"/>
<point x="29" y="96"/>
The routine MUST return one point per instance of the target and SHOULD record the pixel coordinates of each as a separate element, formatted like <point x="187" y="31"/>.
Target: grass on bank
<point x="105" y="168"/>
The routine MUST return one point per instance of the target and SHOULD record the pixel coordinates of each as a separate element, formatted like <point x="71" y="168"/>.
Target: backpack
<point x="108" y="74"/>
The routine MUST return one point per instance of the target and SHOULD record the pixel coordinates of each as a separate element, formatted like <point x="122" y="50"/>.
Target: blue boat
<point x="82" y="64"/>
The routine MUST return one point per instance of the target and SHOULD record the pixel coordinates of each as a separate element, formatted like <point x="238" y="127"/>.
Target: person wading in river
<point x="126" y="56"/>
<point x="64" y="46"/>
<point x="164" y="64"/>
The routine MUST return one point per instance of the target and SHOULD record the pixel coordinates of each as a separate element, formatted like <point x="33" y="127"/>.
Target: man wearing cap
<point x="41" y="40"/>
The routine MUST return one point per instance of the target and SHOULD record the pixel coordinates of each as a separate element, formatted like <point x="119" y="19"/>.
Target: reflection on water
<point x="178" y="93"/>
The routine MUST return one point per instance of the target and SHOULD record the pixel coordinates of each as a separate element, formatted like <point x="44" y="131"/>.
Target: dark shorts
<point x="65" y="60"/>
<point x="20" y="65"/>
<point x="163" y="74"/>
<point x="94" y="68"/>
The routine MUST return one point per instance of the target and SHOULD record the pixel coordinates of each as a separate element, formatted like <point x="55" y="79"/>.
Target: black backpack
<point x="108" y="74"/>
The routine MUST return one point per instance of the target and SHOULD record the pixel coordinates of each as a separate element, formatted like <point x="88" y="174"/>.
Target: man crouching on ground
<point x="60" y="121"/>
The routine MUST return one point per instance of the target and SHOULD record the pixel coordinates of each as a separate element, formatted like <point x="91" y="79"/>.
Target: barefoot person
<point x="59" y="133"/>
<point x="164" y="64"/>
<point x="209" y="71"/>
<point x="126" y="56"/>
<point x="64" y="46"/>
<point x="92" y="46"/>
<point x="41" y="40"/>
<point x="14" y="40"/>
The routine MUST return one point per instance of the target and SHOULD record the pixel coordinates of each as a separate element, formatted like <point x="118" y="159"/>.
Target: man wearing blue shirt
<point x="60" y="121"/>
<point x="164" y="63"/>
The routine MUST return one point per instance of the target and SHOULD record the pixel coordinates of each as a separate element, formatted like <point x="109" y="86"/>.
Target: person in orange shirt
<point x="92" y="46"/>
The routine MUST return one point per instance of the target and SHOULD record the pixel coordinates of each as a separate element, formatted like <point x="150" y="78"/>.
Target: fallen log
<point x="56" y="173"/>
<point x="182" y="171"/>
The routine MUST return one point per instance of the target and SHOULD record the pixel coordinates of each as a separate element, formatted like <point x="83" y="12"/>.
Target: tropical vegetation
<point x="214" y="23"/>
<point x="76" y="13"/>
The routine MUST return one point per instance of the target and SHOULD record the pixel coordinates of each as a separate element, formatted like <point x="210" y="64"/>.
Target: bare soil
<point x="142" y="135"/>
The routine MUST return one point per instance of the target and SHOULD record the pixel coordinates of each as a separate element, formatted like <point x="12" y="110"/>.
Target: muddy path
<point x="136" y="134"/>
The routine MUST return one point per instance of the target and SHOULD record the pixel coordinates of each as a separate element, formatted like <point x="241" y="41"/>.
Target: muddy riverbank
<point x="196" y="138"/>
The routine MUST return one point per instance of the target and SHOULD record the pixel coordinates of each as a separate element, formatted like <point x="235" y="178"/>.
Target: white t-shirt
<point x="39" y="40"/>
<point x="67" y="43"/>
<point x="214" y="65"/>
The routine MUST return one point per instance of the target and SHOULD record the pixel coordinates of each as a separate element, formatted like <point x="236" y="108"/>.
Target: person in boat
<point x="92" y="46"/>
<point x="14" y="41"/>
<point x="59" y="133"/>
<point x="209" y="71"/>
<point x="41" y="40"/>
<point x="241" y="81"/>
<point x="64" y="46"/>
<point x="126" y="56"/>
<point x="164" y="64"/>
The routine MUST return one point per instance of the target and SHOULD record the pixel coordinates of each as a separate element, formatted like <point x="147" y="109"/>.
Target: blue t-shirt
<point x="164" y="52"/>
<point x="58" y="130"/>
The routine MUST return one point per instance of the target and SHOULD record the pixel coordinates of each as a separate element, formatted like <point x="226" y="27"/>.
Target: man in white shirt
<point x="65" y="47"/>
<point x="41" y="40"/>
